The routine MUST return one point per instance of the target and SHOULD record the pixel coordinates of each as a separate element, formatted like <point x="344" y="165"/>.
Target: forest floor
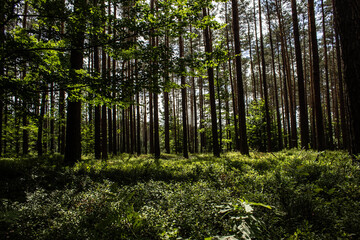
<point x="291" y="194"/>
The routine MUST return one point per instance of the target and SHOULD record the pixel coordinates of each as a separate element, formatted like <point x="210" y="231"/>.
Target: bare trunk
<point x="316" y="79"/>
<point x="244" y="148"/>
<point x="304" y="125"/>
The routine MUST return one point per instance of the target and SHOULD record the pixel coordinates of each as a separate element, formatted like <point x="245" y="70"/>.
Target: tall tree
<point x="233" y="92"/>
<point x="328" y="106"/>
<point x="210" y="71"/>
<point x="166" y="105"/>
<point x="73" y="123"/>
<point x="25" y="145"/>
<point x="304" y="125"/>
<point x="97" y="123"/>
<point x="264" y="81"/>
<point x="320" y="137"/>
<point x="280" y="141"/>
<point x="344" y="127"/>
<point x="2" y="47"/>
<point x="244" y="148"/>
<point x="348" y="18"/>
<point x="184" y="98"/>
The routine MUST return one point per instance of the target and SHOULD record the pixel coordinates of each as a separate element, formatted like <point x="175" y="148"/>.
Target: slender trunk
<point x="244" y="148"/>
<point x="110" y="129"/>
<point x="257" y="50"/>
<point x="286" y="88"/>
<point x="264" y="81"/>
<point x="104" y="136"/>
<point x="97" y="123"/>
<point x="104" y="144"/>
<point x="114" y="111"/>
<point x="131" y="129"/>
<point x="227" y="115"/>
<point x="316" y="79"/>
<point x="202" y="120"/>
<point x="138" y="128"/>
<point x="219" y="102"/>
<point x="167" y="125"/>
<point x="174" y="120"/>
<point x="166" y="106"/>
<point x="194" y="113"/>
<point x="237" y="140"/>
<point x="280" y="142"/>
<point x="127" y="127"/>
<point x="25" y="145"/>
<point x="184" y="98"/>
<point x="252" y="63"/>
<point x="115" y="146"/>
<point x="328" y="106"/>
<point x="145" y="126"/>
<point x="73" y="130"/>
<point x="39" y="142"/>
<point x="210" y="71"/>
<point x="304" y="125"/>
<point x="156" y="127"/>
<point x="344" y="127"/>
<point x="151" y="127"/>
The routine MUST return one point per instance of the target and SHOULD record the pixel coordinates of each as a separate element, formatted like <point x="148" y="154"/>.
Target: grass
<point x="285" y="195"/>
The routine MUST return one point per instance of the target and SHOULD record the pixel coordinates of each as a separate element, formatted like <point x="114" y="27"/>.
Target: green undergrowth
<point x="285" y="195"/>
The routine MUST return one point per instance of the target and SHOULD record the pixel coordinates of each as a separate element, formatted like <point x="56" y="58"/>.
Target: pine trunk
<point x="244" y="148"/>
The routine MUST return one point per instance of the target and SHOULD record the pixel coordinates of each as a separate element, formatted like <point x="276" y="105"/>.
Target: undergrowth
<point x="285" y="195"/>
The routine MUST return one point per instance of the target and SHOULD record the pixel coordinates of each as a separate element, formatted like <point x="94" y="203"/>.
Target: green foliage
<point x="289" y="195"/>
<point x="256" y="127"/>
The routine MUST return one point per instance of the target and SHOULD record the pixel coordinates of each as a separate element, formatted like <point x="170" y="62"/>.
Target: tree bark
<point x="266" y="98"/>
<point x="184" y="98"/>
<point x="316" y="80"/>
<point x="330" y="142"/>
<point x="73" y="130"/>
<point x="279" y="132"/>
<point x="210" y="70"/>
<point x="237" y="140"/>
<point x="244" y="148"/>
<point x="304" y="125"/>
<point x="348" y="22"/>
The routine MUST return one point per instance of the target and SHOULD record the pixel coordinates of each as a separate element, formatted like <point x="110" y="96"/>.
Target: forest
<point x="180" y="119"/>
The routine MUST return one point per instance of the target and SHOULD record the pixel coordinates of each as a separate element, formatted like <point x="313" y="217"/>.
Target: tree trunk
<point x="73" y="130"/>
<point x="330" y="142"/>
<point x="184" y="98"/>
<point x="25" y="145"/>
<point x="145" y="126"/>
<point x="344" y="127"/>
<point x="210" y="70"/>
<point x="104" y="136"/>
<point x="167" y="125"/>
<point x="316" y="79"/>
<point x="266" y="98"/>
<point x="280" y="141"/>
<point x="237" y="140"/>
<point x="244" y="148"/>
<point x="138" y="127"/>
<point x="174" y="121"/>
<point x="348" y="22"/>
<point x="219" y="102"/>
<point x="166" y="106"/>
<point x="257" y="51"/>
<point x="151" y="127"/>
<point x="304" y="125"/>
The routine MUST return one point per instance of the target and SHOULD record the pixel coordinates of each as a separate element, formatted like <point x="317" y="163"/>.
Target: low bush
<point x="285" y="195"/>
